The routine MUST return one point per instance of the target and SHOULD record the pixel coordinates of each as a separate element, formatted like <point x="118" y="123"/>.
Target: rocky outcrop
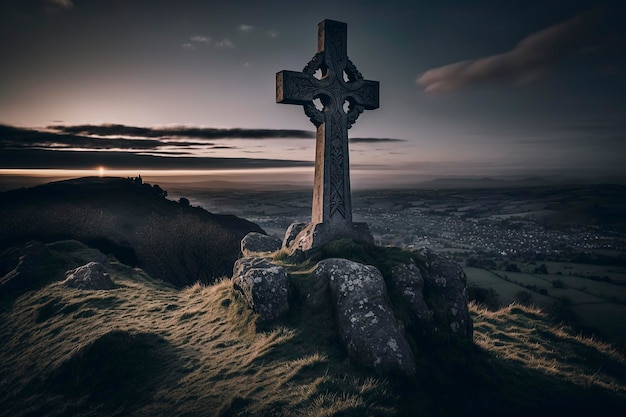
<point x="254" y="243"/>
<point x="365" y="321"/>
<point x="445" y="284"/>
<point x="264" y="286"/>
<point x="428" y="291"/>
<point x="90" y="276"/>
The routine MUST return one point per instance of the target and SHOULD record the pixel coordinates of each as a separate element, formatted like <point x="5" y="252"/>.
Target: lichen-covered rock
<point x="254" y="243"/>
<point x="90" y="276"/>
<point x="445" y="284"/>
<point x="264" y="286"/>
<point x="365" y="321"/>
<point x="407" y="282"/>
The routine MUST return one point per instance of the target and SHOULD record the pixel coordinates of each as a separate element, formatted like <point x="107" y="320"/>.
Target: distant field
<point x="605" y="290"/>
<point x="593" y="301"/>
<point x="528" y="279"/>
<point x="566" y="268"/>
<point x="506" y="290"/>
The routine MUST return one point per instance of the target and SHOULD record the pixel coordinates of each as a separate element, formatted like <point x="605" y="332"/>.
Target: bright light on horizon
<point x="258" y="177"/>
<point x="148" y="172"/>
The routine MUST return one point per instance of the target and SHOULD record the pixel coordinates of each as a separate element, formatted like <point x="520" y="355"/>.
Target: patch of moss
<point x="382" y="257"/>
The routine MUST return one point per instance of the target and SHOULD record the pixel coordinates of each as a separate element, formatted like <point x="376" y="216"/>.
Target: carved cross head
<point x="340" y="81"/>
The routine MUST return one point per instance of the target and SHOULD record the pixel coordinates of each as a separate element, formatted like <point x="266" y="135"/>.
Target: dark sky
<point x="469" y="87"/>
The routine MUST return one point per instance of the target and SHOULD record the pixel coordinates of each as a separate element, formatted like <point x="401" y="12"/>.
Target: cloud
<point x="182" y="131"/>
<point x="48" y="159"/>
<point x="18" y="138"/>
<point x="188" y="47"/>
<point x="207" y="40"/>
<point x="130" y="147"/>
<point x="224" y="43"/>
<point x="200" y="39"/>
<point x="530" y="60"/>
<point x="250" y="28"/>
<point x="374" y="140"/>
<point x="67" y="148"/>
<point x="116" y="137"/>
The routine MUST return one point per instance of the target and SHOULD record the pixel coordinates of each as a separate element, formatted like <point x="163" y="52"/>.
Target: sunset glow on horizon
<point x="190" y="89"/>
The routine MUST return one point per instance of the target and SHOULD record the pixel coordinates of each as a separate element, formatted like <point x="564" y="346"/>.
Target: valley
<point x="550" y="245"/>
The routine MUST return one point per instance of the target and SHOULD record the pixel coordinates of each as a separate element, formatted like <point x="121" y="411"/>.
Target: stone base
<point x="314" y="236"/>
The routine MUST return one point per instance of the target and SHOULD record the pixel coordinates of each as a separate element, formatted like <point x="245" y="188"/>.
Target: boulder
<point x="90" y="276"/>
<point x="407" y="282"/>
<point x="366" y="324"/>
<point x="264" y="286"/>
<point x="254" y="243"/>
<point x="445" y="284"/>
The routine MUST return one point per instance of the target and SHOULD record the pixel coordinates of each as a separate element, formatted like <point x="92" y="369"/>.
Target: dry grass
<point x="147" y="348"/>
<point x="212" y="359"/>
<point x="523" y="335"/>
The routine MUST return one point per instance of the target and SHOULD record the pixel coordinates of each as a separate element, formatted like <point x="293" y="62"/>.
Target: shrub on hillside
<point x="523" y="297"/>
<point x="486" y="297"/>
<point x="185" y="249"/>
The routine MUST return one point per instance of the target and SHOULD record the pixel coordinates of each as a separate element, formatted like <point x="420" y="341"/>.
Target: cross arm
<point x="366" y="94"/>
<point x="295" y="87"/>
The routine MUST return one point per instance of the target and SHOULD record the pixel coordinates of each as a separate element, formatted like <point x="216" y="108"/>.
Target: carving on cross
<point x="340" y="82"/>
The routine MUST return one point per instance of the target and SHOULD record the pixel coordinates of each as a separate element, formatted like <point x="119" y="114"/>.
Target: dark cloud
<point x="49" y="159"/>
<point x="165" y="153"/>
<point x="88" y="146"/>
<point x="19" y="138"/>
<point x="136" y="138"/>
<point x="183" y="131"/>
<point x="529" y="60"/>
<point x="33" y="149"/>
<point x="374" y="140"/>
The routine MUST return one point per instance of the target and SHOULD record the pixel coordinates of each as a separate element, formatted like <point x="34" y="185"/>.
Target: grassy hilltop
<point x="147" y="348"/>
<point x="129" y="219"/>
<point x="151" y="347"/>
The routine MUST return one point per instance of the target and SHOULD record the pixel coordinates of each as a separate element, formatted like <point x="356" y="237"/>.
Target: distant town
<point x="535" y="223"/>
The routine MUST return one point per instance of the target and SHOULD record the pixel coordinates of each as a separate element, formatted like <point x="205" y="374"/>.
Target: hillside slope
<point x="147" y="348"/>
<point x="131" y="220"/>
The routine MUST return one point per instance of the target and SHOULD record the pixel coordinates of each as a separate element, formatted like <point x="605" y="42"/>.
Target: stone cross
<point x="344" y="95"/>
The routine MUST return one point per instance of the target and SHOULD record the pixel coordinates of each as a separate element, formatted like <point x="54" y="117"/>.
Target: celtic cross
<point x="341" y="86"/>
